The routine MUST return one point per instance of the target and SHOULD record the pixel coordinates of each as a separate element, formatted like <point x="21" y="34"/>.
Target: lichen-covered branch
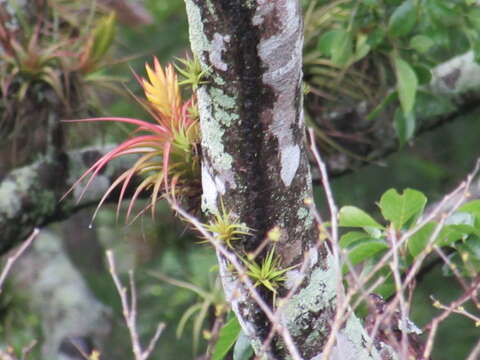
<point x="30" y="196"/>
<point x="254" y="162"/>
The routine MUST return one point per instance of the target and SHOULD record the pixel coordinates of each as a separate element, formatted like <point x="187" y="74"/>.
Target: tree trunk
<point x="254" y="161"/>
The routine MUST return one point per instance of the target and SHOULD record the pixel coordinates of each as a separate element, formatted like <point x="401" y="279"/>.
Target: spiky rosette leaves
<point x="168" y="160"/>
<point x="162" y="89"/>
<point x="192" y="72"/>
<point x="226" y="227"/>
<point x="268" y="273"/>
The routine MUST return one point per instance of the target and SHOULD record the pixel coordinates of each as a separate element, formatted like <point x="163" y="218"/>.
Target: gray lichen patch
<point x="212" y="133"/>
<point x="315" y="297"/>
<point x="10" y="205"/>
<point x="14" y="189"/>
<point x="289" y="160"/>
<point x="217" y="48"/>
<point x="210" y="193"/>
<point x="351" y="343"/>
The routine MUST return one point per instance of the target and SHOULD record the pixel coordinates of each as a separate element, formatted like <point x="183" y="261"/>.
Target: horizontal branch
<point x="30" y="196"/>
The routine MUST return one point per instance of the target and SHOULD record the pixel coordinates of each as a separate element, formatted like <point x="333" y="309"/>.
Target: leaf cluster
<point x="373" y="50"/>
<point x="459" y="233"/>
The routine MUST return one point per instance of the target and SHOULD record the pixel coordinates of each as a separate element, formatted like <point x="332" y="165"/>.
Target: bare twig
<point x="129" y="308"/>
<point x="12" y="259"/>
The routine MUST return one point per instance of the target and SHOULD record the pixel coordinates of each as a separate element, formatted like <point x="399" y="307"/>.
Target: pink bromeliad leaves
<point x="166" y="149"/>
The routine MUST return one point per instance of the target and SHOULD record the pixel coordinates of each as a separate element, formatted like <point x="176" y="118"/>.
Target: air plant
<point x="268" y="273"/>
<point x="168" y="159"/>
<point x="226" y="227"/>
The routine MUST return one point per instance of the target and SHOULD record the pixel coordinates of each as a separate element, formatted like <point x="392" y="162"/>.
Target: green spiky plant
<point x="49" y="68"/>
<point x="268" y="273"/>
<point x="226" y="227"/>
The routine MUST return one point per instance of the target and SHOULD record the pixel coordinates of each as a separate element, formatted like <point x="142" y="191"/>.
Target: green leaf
<point x="376" y="37"/>
<point x="403" y="19"/>
<point x="472" y="207"/>
<point x="407" y="84"/>
<point x="404" y="126"/>
<point x="352" y="237"/>
<point x="424" y="75"/>
<point x="452" y="233"/>
<point x="242" y="350"/>
<point x="362" y="48"/>
<point x="443" y="12"/>
<point x="419" y="241"/>
<point x="364" y="250"/>
<point x="342" y="48"/>
<point x="326" y="41"/>
<point x="474" y="17"/>
<point x="104" y="35"/>
<point x="399" y="209"/>
<point x="421" y="43"/>
<point x="226" y="339"/>
<point x="351" y="216"/>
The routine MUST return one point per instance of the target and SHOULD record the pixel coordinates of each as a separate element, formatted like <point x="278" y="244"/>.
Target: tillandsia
<point x="226" y="227"/>
<point x="167" y="149"/>
<point x="268" y="273"/>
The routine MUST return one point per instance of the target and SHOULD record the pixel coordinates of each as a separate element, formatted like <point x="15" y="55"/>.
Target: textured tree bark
<point x="254" y="160"/>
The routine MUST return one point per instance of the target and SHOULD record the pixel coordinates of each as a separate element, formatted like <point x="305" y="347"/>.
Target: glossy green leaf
<point x="352" y="237"/>
<point x="403" y="19"/>
<point x="400" y="208"/>
<point x="407" y="84"/>
<point x="474" y="17"/>
<point x="419" y="241"/>
<point x="226" y="339"/>
<point x="472" y="207"/>
<point x="404" y="126"/>
<point x="366" y="249"/>
<point x="421" y="43"/>
<point x="351" y="216"/>
<point x="342" y="48"/>
<point x="326" y="41"/>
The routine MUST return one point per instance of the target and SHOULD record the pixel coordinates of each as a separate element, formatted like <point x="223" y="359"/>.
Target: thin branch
<point x="12" y="259"/>
<point x="129" y="309"/>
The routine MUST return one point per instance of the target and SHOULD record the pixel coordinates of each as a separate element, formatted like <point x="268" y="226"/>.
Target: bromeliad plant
<point x="226" y="227"/>
<point x="168" y="159"/>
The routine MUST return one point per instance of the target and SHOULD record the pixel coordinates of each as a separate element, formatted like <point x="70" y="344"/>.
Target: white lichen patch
<point x="456" y="76"/>
<point x="293" y="278"/>
<point x="289" y="161"/>
<point x="220" y="185"/>
<point x="210" y="193"/>
<point x="217" y="48"/>
<point x="351" y="343"/>
<point x="312" y="256"/>
<point x="264" y="7"/>
<point x="281" y="55"/>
